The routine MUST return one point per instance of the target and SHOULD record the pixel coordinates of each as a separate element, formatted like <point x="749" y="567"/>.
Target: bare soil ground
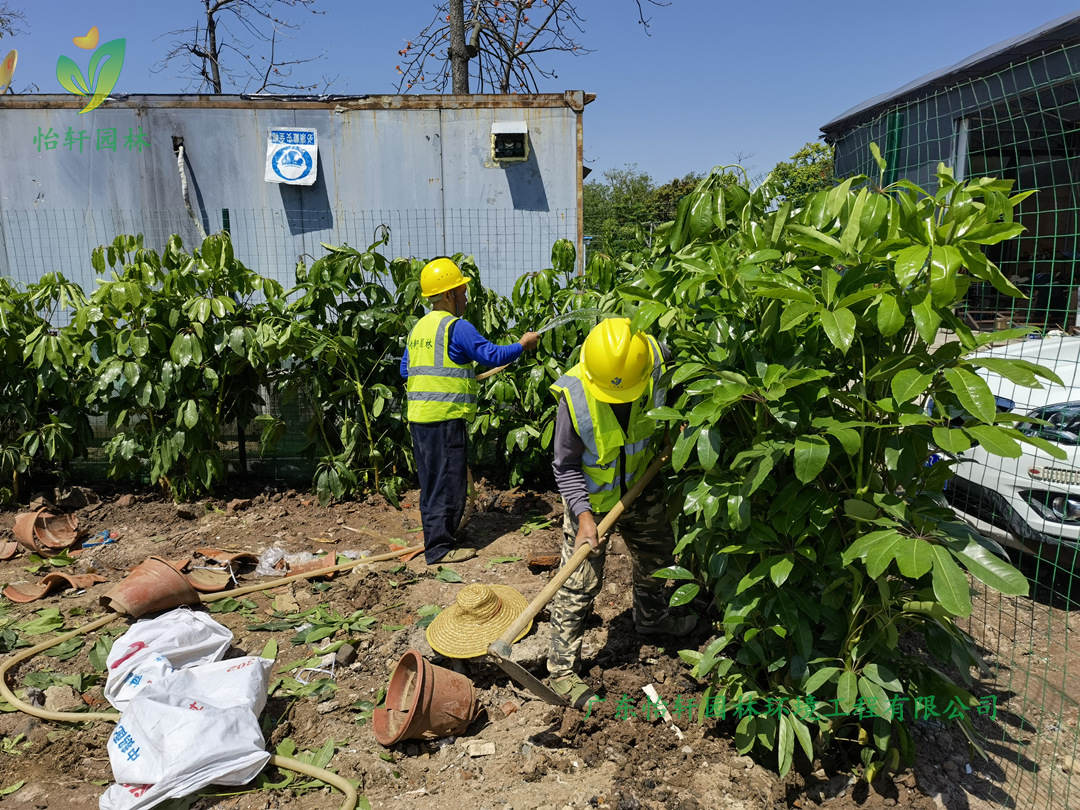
<point x="544" y="757"/>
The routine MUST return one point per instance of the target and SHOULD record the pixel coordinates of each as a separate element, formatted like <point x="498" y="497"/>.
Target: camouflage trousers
<point x="649" y="539"/>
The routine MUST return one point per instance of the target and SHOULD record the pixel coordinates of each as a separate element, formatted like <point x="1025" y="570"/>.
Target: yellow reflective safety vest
<point x="437" y="388"/>
<point x="612" y="459"/>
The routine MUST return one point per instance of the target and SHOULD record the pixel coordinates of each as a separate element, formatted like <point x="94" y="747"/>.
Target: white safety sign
<point x="292" y="156"/>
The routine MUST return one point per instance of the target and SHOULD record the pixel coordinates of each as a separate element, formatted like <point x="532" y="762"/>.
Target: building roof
<point x="1062" y="31"/>
<point x="575" y="99"/>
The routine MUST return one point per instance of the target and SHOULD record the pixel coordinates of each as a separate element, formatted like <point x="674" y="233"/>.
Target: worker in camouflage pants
<point x="603" y="443"/>
<point x="647" y="533"/>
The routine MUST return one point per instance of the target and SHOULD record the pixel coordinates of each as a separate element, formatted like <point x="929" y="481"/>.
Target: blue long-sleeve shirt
<point x="468" y="345"/>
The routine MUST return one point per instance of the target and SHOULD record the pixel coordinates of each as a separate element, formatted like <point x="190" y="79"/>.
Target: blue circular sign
<point x="290" y="163"/>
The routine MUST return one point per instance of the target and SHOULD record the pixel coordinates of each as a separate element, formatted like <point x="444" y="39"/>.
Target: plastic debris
<point x="102" y="538"/>
<point x="268" y="561"/>
<point x="189" y="719"/>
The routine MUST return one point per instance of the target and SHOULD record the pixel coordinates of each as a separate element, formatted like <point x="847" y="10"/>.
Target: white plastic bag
<point x="152" y="648"/>
<point x="162" y="748"/>
<point x="189" y="719"/>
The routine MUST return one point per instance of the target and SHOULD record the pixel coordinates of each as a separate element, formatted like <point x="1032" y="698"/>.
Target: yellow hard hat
<point x="617" y="363"/>
<point x="440" y="275"/>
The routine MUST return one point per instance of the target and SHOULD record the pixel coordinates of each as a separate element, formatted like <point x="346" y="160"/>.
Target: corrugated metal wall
<point x="418" y="164"/>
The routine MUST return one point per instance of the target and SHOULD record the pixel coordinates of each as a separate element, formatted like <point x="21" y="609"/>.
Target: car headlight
<point x="1054" y="505"/>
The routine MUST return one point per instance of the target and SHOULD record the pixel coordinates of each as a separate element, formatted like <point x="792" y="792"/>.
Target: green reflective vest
<point x="437" y="389"/>
<point x="606" y="445"/>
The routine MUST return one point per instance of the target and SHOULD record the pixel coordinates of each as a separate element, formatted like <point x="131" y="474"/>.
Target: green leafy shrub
<point x="42" y="425"/>
<point x="339" y="344"/>
<point x="176" y="343"/>
<point x="510" y="439"/>
<point x="807" y="343"/>
<point x="342" y="338"/>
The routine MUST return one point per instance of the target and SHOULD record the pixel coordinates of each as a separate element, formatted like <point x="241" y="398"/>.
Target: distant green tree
<point x="807" y="171"/>
<point x="665" y="198"/>
<point x="621" y="210"/>
<point x="614" y="207"/>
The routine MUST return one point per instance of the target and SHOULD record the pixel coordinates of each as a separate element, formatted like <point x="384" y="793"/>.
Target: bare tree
<point x="10" y="21"/>
<point x="221" y="50"/>
<point x="507" y="40"/>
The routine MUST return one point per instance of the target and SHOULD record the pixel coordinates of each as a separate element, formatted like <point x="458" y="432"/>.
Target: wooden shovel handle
<point x="563" y="574"/>
<point x="491" y="372"/>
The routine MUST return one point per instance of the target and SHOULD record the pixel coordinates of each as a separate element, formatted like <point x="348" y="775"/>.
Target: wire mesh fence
<point x="1020" y="122"/>
<point x="504" y="243"/>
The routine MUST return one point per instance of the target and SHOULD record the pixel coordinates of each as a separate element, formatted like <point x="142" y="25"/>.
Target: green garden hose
<point x="288" y="763"/>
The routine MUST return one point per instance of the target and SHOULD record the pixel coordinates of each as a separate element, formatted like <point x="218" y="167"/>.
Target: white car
<point x="1033" y="501"/>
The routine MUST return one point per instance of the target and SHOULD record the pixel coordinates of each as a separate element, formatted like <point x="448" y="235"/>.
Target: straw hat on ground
<point x="478" y="616"/>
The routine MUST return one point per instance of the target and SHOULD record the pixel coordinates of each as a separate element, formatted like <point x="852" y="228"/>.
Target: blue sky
<point x="716" y="80"/>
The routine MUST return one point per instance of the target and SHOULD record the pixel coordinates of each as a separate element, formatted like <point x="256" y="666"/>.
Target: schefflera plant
<point x="807" y="342"/>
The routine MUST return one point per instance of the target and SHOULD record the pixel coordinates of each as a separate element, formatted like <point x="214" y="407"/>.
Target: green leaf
<point x="945" y="261"/>
<point x="875" y="698"/>
<point x="66" y="650"/>
<point x="951" y="587"/>
<point x="847" y="690"/>
<point x="875" y="151"/>
<point x="973" y="392"/>
<point x="890" y="319"/>
<point x="914" y="557"/>
<point x="683" y="445"/>
<point x="448" y="574"/>
<point x="839" y="327"/>
<point x="47" y="620"/>
<point x="7" y="791"/>
<point x="909" y="263"/>
<point x="319" y="633"/>
<point x="785" y="744"/>
<point x="684" y="594"/>
<point x="745" y="734"/>
<point x="882" y="675"/>
<point x="673" y="572"/>
<point x="811" y="455"/>
<point x="100" y="652"/>
<point x="270" y="649"/>
<point x="951" y="440"/>
<point x="995" y="441"/>
<point x="140" y="342"/>
<point x="708" y="447"/>
<point x="990" y="569"/>
<point x="781" y="569"/>
<point x="908" y="384"/>
<point x="829" y="279"/>
<point x="927" y="319"/>
<point x="802" y="733"/>
<point x="189" y="414"/>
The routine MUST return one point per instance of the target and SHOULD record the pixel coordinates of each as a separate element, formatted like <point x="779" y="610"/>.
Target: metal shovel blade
<point x="500" y="652"/>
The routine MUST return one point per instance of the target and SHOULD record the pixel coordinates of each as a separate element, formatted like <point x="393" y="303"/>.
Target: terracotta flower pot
<point x="423" y="701"/>
<point x="152" y="586"/>
<point x="24" y="529"/>
<point x="30" y="593"/>
<point x="56" y="532"/>
<point x="42" y="532"/>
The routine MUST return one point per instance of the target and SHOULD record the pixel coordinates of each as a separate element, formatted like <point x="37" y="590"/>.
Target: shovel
<point x="500" y="648"/>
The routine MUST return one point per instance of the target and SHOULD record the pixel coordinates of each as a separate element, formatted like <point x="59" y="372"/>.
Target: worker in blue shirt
<point x="441" y="395"/>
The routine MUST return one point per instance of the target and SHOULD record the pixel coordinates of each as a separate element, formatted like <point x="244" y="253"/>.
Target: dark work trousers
<point x="441" y="452"/>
